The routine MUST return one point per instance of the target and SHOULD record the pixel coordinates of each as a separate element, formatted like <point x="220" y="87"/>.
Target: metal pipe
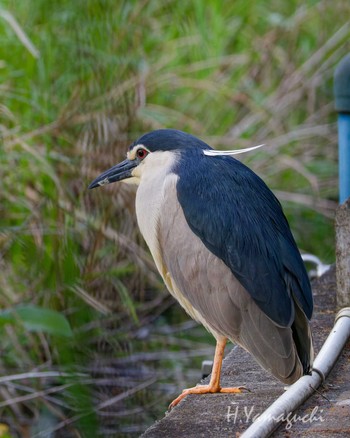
<point x="342" y="105"/>
<point x="301" y="390"/>
<point x="344" y="156"/>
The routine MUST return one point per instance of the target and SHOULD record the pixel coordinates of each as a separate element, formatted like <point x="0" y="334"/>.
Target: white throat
<point x="153" y="175"/>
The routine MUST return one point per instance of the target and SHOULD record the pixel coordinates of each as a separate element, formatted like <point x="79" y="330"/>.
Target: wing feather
<point x="240" y="220"/>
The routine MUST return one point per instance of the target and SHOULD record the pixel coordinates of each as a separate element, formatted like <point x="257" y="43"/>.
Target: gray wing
<point x="210" y="293"/>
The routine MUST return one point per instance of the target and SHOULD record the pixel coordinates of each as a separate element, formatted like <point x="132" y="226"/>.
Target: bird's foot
<point x="206" y="389"/>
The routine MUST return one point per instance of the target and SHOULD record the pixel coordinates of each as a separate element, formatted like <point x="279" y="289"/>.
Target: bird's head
<point x="154" y="150"/>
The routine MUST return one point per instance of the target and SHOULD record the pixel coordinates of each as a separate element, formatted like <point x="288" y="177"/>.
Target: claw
<point x="206" y="389"/>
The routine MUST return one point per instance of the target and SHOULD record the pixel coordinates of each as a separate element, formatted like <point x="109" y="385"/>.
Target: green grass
<point x="83" y="80"/>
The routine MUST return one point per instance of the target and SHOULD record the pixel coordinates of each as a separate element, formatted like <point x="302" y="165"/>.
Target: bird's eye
<point x="141" y="153"/>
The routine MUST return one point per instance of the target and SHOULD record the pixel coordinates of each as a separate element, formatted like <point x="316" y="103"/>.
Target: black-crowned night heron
<point x="223" y="246"/>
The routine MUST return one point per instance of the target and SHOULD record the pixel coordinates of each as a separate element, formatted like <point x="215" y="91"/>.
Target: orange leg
<point x="214" y="384"/>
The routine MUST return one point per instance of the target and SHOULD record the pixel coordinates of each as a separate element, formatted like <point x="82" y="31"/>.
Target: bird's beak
<point x="116" y="173"/>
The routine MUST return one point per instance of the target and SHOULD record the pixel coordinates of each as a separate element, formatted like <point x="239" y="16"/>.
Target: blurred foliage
<point x="79" y="81"/>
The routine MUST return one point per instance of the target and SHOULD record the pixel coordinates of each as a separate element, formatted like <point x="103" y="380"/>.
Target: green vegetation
<point x="83" y="313"/>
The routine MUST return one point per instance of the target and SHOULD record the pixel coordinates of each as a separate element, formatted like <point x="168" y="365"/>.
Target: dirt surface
<point x="326" y="413"/>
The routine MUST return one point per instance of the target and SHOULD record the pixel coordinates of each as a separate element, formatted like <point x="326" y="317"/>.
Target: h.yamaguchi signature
<point x="245" y="414"/>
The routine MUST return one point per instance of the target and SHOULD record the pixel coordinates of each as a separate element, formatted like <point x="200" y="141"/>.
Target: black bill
<point x="116" y="173"/>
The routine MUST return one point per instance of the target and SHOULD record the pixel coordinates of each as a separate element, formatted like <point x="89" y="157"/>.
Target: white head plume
<point x="214" y="153"/>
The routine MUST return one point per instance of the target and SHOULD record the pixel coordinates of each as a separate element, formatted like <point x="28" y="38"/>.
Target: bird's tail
<point x="303" y="339"/>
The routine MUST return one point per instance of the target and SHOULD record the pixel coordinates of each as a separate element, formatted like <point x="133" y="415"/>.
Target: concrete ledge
<point x="327" y="413"/>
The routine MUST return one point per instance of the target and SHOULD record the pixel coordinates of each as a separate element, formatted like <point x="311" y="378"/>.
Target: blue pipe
<point x="342" y="105"/>
<point x="344" y="156"/>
